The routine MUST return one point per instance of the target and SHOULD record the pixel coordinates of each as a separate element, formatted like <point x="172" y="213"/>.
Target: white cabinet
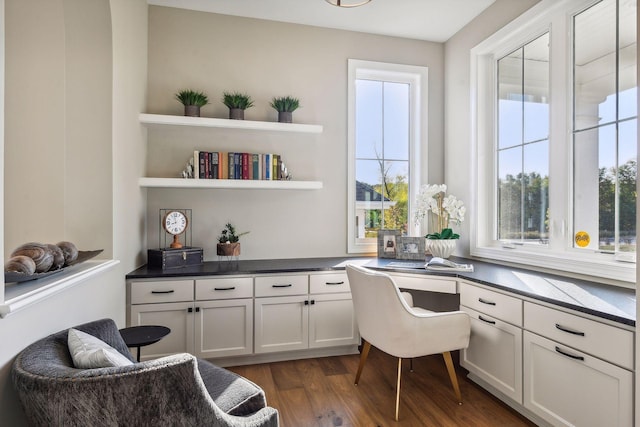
<point x="211" y="317"/>
<point x="332" y="319"/>
<point x="288" y="316"/>
<point x="167" y="303"/>
<point x="569" y="377"/>
<point x="495" y="347"/>
<point x="223" y="317"/>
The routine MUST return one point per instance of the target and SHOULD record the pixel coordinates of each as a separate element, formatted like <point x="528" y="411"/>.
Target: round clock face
<point x="175" y="222"/>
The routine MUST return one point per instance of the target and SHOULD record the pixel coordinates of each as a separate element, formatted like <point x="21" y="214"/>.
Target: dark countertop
<point x="601" y="300"/>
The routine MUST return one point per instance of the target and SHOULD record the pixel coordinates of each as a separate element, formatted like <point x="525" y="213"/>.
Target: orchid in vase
<point x="443" y="210"/>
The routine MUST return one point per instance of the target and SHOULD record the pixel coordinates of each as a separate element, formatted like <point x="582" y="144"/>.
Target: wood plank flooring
<point x="320" y="393"/>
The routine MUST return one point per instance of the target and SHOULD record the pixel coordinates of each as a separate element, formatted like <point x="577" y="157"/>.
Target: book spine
<point x="237" y="171"/>
<point x="207" y="165"/>
<point x="254" y="166"/>
<point x="201" y="164"/>
<point x="196" y="164"/>
<point x="225" y="165"/>
<point x="274" y="167"/>
<point x="261" y="165"/>
<point x="215" y="165"/>
<point x="245" y="165"/>
<point x="231" y="165"/>
<point x="267" y="167"/>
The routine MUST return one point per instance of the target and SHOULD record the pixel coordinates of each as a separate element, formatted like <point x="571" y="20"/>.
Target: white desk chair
<point x="388" y="321"/>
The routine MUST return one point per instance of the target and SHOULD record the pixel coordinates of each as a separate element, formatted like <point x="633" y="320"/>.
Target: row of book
<point x="228" y="165"/>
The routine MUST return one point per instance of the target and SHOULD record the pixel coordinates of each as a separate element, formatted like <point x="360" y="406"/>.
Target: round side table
<point x="139" y="336"/>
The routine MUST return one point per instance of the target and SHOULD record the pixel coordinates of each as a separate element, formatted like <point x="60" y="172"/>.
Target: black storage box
<point x="174" y="258"/>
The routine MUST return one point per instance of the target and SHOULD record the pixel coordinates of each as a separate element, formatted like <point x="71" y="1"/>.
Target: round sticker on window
<point x="582" y="239"/>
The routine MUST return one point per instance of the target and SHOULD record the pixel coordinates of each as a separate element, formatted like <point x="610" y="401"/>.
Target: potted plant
<point x="285" y="106"/>
<point x="237" y="102"/>
<point x="444" y="211"/>
<point x="192" y="101"/>
<point x="229" y="241"/>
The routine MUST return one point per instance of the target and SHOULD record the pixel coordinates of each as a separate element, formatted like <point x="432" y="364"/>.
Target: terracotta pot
<point x="442" y="248"/>
<point x="192" y="110"/>
<point x="228" y="249"/>
<point x="285" y="117"/>
<point x="236" y="113"/>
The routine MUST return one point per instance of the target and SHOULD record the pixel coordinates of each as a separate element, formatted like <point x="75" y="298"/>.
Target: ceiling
<point x="433" y="20"/>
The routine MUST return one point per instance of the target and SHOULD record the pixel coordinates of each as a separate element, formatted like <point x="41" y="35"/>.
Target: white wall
<point x="129" y="21"/>
<point x="215" y="53"/>
<point x="102" y="296"/>
<point x="459" y="164"/>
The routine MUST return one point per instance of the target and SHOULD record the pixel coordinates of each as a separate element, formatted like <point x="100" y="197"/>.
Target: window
<point x="555" y="139"/>
<point x="605" y="126"/>
<point x="385" y="105"/>
<point x="523" y="143"/>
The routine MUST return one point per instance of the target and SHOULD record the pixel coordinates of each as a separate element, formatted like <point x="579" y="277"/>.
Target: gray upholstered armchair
<point x="177" y="390"/>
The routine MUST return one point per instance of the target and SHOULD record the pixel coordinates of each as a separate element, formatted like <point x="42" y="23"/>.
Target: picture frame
<point x="410" y="248"/>
<point x="387" y="243"/>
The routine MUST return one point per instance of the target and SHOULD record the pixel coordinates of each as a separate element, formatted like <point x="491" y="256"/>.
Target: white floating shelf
<point x="167" y="120"/>
<point x="236" y="184"/>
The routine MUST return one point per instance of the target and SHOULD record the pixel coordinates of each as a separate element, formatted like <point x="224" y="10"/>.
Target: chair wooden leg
<point x="411" y="364"/>
<point x="452" y="375"/>
<point x="398" y="386"/>
<point x="366" y="346"/>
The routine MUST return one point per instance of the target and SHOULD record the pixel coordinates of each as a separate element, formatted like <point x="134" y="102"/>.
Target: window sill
<point x="585" y="267"/>
<point x="21" y="295"/>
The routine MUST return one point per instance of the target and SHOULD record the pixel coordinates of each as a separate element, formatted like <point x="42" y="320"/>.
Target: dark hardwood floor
<point x="320" y="392"/>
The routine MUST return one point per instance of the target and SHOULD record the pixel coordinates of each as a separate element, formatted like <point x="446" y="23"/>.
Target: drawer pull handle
<point x="230" y="288"/>
<point x="492" y="322"/>
<point x="484" y="301"/>
<point x="573" y="356"/>
<point x="163" y="292"/>
<point x="569" y="331"/>
<point x="334" y="283"/>
<point x="288" y="285"/>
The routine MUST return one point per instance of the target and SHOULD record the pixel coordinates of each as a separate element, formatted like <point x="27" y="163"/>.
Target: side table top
<point x="135" y="336"/>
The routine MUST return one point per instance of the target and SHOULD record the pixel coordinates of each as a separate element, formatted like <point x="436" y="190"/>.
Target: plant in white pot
<point x="285" y="106"/>
<point x="192" y="101"/>
<point x="443" y="211"/>
<point x="237" y="102"/>
<point x="229" y="241"/>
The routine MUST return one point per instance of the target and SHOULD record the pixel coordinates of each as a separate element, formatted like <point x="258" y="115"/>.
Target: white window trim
<point x="417" y="76"/>
<point x="553" y="16"/>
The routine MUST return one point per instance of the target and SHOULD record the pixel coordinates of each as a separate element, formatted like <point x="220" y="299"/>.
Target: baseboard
<point x="254" y="359"/>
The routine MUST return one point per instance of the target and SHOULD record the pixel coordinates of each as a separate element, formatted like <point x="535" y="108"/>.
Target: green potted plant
<point x="229" y="241"/>
<point x="237" y="102"/>
<point x="444" y="211"/>
<point x="192" y="101"/>
<point x="285" y="106"/>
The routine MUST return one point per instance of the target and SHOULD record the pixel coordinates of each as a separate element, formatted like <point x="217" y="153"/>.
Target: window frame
<point x="417" y="77"/>
<point x="556" y="18"/>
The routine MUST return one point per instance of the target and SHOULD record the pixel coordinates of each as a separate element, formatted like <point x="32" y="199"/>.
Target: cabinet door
<point x="175" y="316"/>
<point x="224" y="328"/>
<point x="570" y="388"/>
<point x="332" y="321"/>
<point x="495" y="353"/>
<point x="281" y="323"/>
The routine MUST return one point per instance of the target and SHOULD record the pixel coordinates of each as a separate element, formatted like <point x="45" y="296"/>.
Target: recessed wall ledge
<point x="22" y="295"/>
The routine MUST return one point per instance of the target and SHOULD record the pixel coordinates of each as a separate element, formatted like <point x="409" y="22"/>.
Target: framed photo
<point x="410" y="248"/>
<point x="388" y="243"/>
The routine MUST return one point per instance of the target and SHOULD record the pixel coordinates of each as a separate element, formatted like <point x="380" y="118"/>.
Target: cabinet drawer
<point x="271" y="286"/>
<point x="492" y="303"/>
<point x="161" y="291"/>
<point x="224" y="288"/>
<point x="425" y="283"/>
<point x="598" y="339"/>
<point x="328" y="283"/>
